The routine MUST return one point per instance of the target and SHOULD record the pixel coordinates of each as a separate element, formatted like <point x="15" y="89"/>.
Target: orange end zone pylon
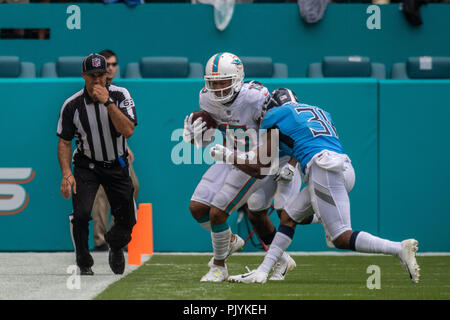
<point x="142" y="235"/>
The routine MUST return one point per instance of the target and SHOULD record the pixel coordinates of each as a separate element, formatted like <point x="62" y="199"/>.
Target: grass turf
<point x="177" y="277"/>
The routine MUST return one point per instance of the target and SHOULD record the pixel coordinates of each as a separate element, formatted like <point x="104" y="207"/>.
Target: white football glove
<point x="221" y="153"/>
<point x="286" y="173"/>
<point x="193" y="131"/>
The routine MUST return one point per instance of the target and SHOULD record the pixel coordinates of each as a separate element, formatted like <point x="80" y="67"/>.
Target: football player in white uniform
<point x="236" y="107"/>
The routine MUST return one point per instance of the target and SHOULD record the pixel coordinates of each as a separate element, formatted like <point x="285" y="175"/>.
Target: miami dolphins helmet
<point x="224" y="76"/>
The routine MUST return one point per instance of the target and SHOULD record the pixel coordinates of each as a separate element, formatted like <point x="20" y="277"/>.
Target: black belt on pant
<point x="91" y="163"/>
<point x="107" y="164"/>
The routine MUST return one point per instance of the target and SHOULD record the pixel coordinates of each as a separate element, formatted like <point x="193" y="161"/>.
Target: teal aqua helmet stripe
<point x="216" y="62"/>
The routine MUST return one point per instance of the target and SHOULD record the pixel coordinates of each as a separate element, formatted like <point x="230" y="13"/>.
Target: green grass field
<point x="175" y="277"/>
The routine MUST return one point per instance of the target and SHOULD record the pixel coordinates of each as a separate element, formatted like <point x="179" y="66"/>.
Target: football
<point x="206" y="117"/>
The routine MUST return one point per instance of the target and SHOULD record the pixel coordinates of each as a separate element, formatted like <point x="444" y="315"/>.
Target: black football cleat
<point x="86" y="271"/>
<point x="117" y="261"/>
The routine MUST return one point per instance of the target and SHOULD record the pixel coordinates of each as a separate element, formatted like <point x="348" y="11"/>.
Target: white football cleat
<point x="253" y="276"/>
<point x="235" y="245"/>
<point x="215" y="274"/>
<point x="282" y="268"/>
<point x="408" y="258"/>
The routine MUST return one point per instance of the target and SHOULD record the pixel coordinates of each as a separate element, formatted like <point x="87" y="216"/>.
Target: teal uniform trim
<point x="240" y="195"/>
<point x="219" y="227"/>
<point x="203" y="219"/>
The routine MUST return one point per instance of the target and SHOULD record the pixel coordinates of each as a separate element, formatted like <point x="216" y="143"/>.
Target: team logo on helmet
<point x="96" y="62"/>
<point x="238" y="63"/>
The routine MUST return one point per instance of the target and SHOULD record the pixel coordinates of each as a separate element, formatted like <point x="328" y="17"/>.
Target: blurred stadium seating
<point x="69" y="66"/>
<point x="422" y="68"/>
<point x="63" y="67"/>
<point x="164" y="67"/>
<point x="348" y="66"/>
<point x="12" y="67"/>
<point x="264" y="67"/>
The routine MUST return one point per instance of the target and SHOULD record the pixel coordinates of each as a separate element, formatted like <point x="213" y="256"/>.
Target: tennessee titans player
<point x="308" y="133"/>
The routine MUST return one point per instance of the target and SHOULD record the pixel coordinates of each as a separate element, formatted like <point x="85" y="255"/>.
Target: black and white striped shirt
<point x="89" y="122"/>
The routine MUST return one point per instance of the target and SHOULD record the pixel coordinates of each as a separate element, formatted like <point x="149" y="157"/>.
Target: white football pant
<point x="330" y="178"/>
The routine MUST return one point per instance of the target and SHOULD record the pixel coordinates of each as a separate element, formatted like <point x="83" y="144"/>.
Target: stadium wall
<point x="274" y="30"/>
<point x="394" y="131"/>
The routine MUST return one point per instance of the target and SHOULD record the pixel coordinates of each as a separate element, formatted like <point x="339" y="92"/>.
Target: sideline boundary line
<point x="304" y="253"/>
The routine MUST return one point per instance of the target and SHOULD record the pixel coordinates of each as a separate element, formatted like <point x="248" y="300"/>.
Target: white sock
<point x="221" y="243"/>
<point x="365" y="242"/>
<point x="206" y="225"/>
<point x="279" y="245"/>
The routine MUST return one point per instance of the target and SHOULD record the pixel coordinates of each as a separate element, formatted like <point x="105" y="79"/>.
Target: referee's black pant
<point x="118" y="188"/>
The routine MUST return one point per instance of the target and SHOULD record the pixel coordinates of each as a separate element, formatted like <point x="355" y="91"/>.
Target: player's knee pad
<point x="212" y="181"/>
<point x="279" y="201"/>
<point x="203" y="194"/>
<point x="299" y="206"/>
<point x="258" y="202"/>
<point x="299" y="215"/>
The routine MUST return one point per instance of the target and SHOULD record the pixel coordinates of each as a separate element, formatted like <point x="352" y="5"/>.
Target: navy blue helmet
<point x="280" y="97"/>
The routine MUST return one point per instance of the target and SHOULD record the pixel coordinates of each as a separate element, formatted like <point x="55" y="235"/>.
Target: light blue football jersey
<point x="304" y="131"/>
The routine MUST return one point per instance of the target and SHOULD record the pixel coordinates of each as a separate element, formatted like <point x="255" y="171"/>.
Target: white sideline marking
<point x="43" y="276"/>
<point x="300" y="253"/>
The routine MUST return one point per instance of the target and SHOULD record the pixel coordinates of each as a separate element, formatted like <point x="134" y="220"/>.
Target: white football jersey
<point x="243" y="113"/>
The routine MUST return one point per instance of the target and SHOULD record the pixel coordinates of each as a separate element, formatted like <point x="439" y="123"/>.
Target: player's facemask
<point x="225" y="94"/>
<point x="222" y="67"/>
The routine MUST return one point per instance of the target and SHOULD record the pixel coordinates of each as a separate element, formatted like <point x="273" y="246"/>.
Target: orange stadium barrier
<point x="142" y="235"/>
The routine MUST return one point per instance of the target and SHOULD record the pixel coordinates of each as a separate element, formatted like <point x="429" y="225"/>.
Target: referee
<point x="101" y="117"/>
